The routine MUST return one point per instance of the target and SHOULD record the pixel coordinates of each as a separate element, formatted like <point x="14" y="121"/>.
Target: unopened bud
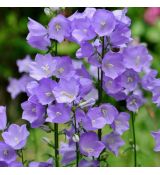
<point x="75" y="138"/>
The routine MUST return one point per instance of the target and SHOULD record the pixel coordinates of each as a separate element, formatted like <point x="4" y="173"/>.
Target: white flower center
<point x="58" y="114"/>
<point x="46" y="69"/>
<point x="58" y="27"/>
<point x="67" y="94"/>
<point x="48" y="94"/>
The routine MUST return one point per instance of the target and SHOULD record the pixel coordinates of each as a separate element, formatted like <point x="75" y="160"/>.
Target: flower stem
<point x="22" y="157"/>
<point x="56" y="136"/>
<point x="134" y="139"/>
<point x="100" y="86"/>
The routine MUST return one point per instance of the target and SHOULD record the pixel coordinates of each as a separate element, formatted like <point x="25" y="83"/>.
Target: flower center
<point x="58" y="114"/>
<point x="33" y="109"/>
<point x="103" y="24"/>
<point x="138" y="59"/>
<point x="104" y="112"/>
<point x="129" y="79"/>
<point x="58" y="27"/>
<point x="48" y="94"/>
<point x="89" y="150"/>
<point x="5" y="152"/>
<point x="46" y="69"/>
<point x="67" y="94"/>
<point x="133" y="102"/>
<point x="16" y="139"/>
<point x="60" y="70"/>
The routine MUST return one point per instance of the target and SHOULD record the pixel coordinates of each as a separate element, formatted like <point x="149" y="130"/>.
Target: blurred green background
<point x="13" y="46"/>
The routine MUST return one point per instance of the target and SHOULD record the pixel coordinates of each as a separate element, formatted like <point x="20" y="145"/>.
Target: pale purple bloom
<point x="111" y="86"/>
<point x="16" y="86"/>
<point x="31" y="88"/>
<point x="42" y="67"/>
<point x="89" y="145"/>
<point x="89" y="163"/>
<point x="23" y="65"/>
<point x="120" y="16"/>
<point x="64" y="67"/>
<point x="16" y="136"/>
<point x="108" y="112"/>
<point x="95" y="119"/>
<point x="68" y="153"/>
<point x="134" y="102"/>
<point x="129" y="79"/>
<point x="156" y="136"/>
<point x="59" y="28"/>
<point x="136" y="58"/>
<point x="119" y="95"/>
<point x="16" y="164"/>
<point x="59" y="113"/>
<point x="112" y="65"/>
<point x="7" y="153"/>
<point x="44" y="91"/>
<point x="121" y="123"/>
<point x="66" y="91"/>
<point x="3" y="164"/>
<point x="33" y="112"/>
<point x="49" y="163"/>
<point x="113" y="142"/>
<point x="38" y="35"/>
<point x="156" y="95"/>
<point x="3" y="117"/>
<point x="103" y="22"/>
<point x="83" y="30"/>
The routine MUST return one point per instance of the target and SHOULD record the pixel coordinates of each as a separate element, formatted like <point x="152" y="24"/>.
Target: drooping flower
<point x="89" y="163"/>
<point x="134" y="102"/>
<point x="129" y="79"/>
<point x="66" y="91"/>
<point x="44" y="91"/>
<point x="112" y="65"/>
<point x="113" y="142"/>
<point x="23" y="65"/>
<point x="121" y="123"/>
<point x="42" y="67"/>
<point x="49" y="163"/>
<point x="68" y="153"/>
<point x="16" y="136"/>
<point x="3" y="118"/>
<point x="136" y="58"/>
<point x="156" y="136"/>
<point x="108" y="112"/>
<point x="59" y="28"/>
<point x="103" y="22"/>
<point x="89" y="145"/>
<point x="59" y="113"/>
<point x="7" y="153"/>
<point x="33" y="112"/>
<point x="38" y="35"/>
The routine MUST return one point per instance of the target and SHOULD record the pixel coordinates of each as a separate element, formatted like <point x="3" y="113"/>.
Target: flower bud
<point x="75" y="138"/>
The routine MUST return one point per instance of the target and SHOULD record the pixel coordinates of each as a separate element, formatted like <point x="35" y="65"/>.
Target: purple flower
<point x="16" y="164"/>
<point x="113" y="142"/>
<point x="44" y="91"/>
<point x="7" y="153"/>
<point x="111" y="86"/>
<point x="3" y="118"/>
<point x="121" y="123"/>
<point x="91" y="163"/>
<point x="49" y="163"/>
<point x="68" y="153"/>
<point x="38" y="35"/>
<point x="136" y="58"/>
<point x="66" y="91"/>
<point x="23" y="65"/>
<point x="156" y="95"/>
<point x="156" y="136"/>
<point x="64" y="67"/>
<point x="83" y="30"/>
<point x="58" y="113"/>
<point x="108" y="112"/>
<point x="89" y="145"/>
<point x="134" y="102"/>
<point x="112" y="65"/>
<point x="42" y="67"/>
<point x="129" y="79"/>
<point x="59" y="28"/>
<point x="94" y="120"/>
<point x="16" y="136"/>
<point x="33" y="112"/>
<point x="103" y="22"/>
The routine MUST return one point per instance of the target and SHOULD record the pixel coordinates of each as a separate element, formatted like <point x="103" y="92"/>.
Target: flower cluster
<point x="62" y="90"/>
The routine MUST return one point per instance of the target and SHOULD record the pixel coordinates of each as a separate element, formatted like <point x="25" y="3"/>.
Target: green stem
<point x="100" y="86"/>
<point x="134" y="139"/>
<point x="22" y="157"/>
<point x="56" y="142"/>
<point x="56" y="136"/>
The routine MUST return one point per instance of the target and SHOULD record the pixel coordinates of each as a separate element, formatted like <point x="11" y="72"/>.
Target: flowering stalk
<point x="56" y="138"/>
<point x="100" y="88"/>
<point x="134" y="139"/>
